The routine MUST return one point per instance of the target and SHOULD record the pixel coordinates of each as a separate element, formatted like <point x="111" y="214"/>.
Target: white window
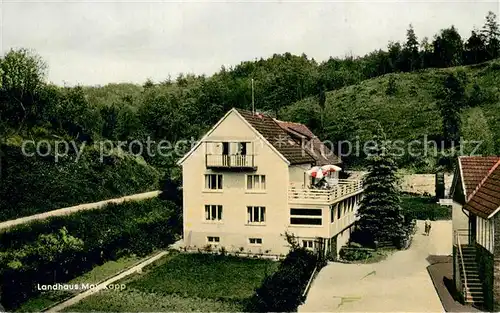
<point x="213" y="212"/>
<point x="256" y="182"/>
<point x="213" y="240"/>
<point x="256" y="214"/>
<point x="484" y="233"/>
<point x="213" y="181"/>
<point x="255" y="241"/>
<point x="308" y="244"/>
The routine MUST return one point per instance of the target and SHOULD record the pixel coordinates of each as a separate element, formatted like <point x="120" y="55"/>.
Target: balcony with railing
<point x="230" y="155"/>
<point x="340" y="190"/>
<point x="230" y="161"/>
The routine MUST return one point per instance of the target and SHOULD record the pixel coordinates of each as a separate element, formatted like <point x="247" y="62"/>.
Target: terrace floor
<point x="401" y="283"/>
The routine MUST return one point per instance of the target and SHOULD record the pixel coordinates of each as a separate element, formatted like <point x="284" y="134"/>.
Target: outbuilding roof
<point x="474" y="169"/>
<point x="485" y="199"/>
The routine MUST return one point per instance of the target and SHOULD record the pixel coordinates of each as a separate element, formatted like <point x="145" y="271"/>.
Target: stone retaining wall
<point x="424" y="183"/>
<point x="416" y="183"/>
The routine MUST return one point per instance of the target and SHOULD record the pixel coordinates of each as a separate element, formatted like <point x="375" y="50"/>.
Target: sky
<point x="100" y="42"/>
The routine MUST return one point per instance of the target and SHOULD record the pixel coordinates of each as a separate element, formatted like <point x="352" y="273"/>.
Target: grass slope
<point x="36" y="184"/>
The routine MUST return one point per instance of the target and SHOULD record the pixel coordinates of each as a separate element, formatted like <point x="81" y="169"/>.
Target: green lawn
<point x="97" y="274"/>
<point x="207" y="276"/>
<point x="138" y="301"/>
<point x="186" y="282"/>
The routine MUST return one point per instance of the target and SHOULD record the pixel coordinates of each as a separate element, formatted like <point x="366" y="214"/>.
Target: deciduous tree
<point x="22" y="75"/>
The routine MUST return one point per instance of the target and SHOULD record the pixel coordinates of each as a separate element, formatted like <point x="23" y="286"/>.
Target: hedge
<point x="36" y="184"/>
<point x="61" y="248"/>
<point x="282" y="291"/>
<point x="423" y="208"/>
<point x="355" y="252"/>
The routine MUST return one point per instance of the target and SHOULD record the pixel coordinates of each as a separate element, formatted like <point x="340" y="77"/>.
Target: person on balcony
<point x="322" y="184"/>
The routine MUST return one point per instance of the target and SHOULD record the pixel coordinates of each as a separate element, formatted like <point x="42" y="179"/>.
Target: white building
<point x="245" y="185"/>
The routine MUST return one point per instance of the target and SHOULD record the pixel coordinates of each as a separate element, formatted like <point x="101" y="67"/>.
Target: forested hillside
<point x="409" y="106"/>
<point x="405" y="88"/>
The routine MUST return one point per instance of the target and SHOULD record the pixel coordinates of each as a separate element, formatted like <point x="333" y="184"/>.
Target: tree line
<point x="185" y="107"/>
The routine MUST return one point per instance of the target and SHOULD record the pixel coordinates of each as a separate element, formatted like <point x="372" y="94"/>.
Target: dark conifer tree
<point x="491" y="33"/>
<point x="475" y="49"/>
<point x="380" y="213"/>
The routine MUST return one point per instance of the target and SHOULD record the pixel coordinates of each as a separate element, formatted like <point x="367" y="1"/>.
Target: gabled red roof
<point x="485" y="200"/>
<point x="278" y="137"/>
<point x="321" y="153"/>
<point x="297" y="127"/>
<point x="474" y="169"/>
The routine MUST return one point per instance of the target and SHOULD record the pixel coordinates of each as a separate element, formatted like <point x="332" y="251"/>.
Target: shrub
<point x="282" y="291"/>
<point x="61" y="248"/>
<point x="409" y="228"/>
<point x="355" y="252"/>
<point x="391" y="86"/>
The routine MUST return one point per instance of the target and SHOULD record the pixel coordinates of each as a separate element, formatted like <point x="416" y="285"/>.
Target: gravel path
<point x="76" y="208"/>
<point x="400" y="283"/>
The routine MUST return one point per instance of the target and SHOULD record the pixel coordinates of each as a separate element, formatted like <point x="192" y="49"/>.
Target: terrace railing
<point x="344" y="188"/>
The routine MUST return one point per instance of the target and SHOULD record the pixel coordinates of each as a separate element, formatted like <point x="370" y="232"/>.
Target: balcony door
<point x="225" y="148"/>
<point x="225" y="154"/>
<point x="242" y="148"/>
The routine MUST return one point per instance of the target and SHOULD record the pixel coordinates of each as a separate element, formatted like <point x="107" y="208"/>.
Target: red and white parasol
<point x="331" y="168"/>
<point x="321" y="171"/>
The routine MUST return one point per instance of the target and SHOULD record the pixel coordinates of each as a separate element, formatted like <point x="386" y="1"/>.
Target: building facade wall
<point x="297" y="177"/>
<point x="496" y="263"/>
<point x="343" y="238"/>
<point x="348" y="208"/>
<point x="233" y="229"/>
<point x="460" y="221"/>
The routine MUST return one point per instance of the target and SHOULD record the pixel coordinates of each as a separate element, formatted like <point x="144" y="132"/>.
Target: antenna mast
<point x="253" y="100"/>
